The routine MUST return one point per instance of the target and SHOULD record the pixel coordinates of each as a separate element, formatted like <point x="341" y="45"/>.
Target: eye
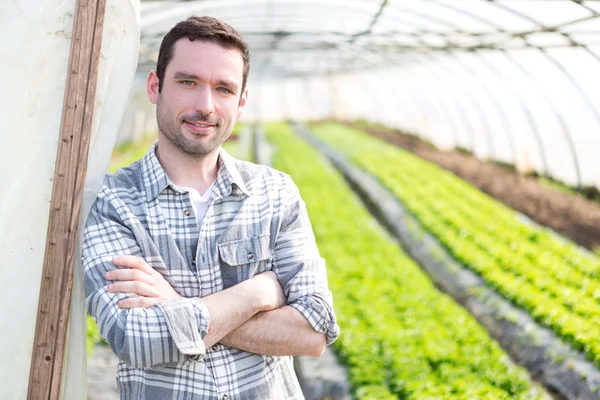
<point x="224" y="90"/>
<point x="187" y="83"/>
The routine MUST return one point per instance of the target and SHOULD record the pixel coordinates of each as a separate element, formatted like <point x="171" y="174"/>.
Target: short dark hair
<point x="206" y="29"/>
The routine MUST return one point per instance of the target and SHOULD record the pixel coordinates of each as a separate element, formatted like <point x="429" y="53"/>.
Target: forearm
<point x="128" y="331"/>
<point x="184" y="324"/>
<point x="229" y="309"/>
<point x="280" y="332"/>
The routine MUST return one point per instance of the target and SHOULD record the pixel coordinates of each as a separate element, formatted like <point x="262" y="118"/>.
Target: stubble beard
<point x="173" y="132"/>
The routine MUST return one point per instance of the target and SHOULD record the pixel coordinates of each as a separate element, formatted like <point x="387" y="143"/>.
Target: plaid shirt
<point x="256" y="221"/>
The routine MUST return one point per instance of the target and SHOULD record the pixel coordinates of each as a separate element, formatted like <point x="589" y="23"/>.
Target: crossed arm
<point x="147" y="323"/>
<point x="250" y="316"/>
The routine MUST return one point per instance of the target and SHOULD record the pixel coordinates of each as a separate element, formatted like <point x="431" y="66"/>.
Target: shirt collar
<point x="155" y="178"/>
<point x="228" y="168"/>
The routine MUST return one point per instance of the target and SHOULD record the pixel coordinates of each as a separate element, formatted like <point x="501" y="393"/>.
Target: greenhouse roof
<point x="300" y="37"/>
<point x="515" y="81"/>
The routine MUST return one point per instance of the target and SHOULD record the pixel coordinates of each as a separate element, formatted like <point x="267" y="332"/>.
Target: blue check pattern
<point x="256" y="221"/>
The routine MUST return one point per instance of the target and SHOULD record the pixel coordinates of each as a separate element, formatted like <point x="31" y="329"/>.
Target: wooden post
<point x="71" y="164"/>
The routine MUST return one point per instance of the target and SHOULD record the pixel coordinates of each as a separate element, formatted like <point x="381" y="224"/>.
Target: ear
<point x="152" y="87"/>
<point x="242" y="105"/>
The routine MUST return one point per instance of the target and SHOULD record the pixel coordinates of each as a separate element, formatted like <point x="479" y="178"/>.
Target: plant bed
<point x="557" y="283"/>
<point x="401" y="337"/>
<point x="564" y="371"/>
<point x="569" y="214"/>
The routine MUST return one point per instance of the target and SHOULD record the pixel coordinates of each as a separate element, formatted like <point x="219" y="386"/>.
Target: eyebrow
<point x="184" y="75"/>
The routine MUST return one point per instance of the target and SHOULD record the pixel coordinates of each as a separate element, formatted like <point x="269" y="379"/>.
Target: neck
<point x="194" y="171"/>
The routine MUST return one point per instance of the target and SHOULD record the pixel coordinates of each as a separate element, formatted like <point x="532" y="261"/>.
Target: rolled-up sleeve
<point x="169" y="332"/>
<point x="300" y="268"/>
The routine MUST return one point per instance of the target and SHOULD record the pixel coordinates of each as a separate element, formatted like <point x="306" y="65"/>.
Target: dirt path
<point x="102" y="374"/>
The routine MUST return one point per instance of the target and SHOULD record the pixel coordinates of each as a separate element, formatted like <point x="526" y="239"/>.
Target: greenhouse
<point x="444" y="152"/>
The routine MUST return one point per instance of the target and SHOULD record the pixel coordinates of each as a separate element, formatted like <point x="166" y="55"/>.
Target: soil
<point x="569" y="214"/>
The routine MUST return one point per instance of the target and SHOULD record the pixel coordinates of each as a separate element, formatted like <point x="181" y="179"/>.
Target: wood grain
<point x="49" y="346"/>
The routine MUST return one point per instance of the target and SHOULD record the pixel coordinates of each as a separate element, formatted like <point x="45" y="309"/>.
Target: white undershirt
<point x="199" y="203"/>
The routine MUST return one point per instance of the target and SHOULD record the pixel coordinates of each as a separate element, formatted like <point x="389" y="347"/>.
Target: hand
<point x="141" y="279"/>
<point x="270" y="291"/>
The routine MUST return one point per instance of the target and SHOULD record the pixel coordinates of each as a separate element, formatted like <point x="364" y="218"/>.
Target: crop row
<point x="552" y="279"/>
<point x="400" y="337"/>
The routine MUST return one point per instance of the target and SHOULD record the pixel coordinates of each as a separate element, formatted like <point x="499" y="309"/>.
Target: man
<point x="201" y="270"/>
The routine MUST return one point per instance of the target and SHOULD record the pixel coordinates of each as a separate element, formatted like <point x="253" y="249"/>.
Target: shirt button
<point x="224" y="397"/>
<point x="250" y="256"/>
<point x="187" y="213"/>
<point x="194" y="262"/>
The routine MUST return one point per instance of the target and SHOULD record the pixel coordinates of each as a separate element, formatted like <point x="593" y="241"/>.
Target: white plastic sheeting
<point x="510" y="80"/>
<point x="139" y="119"/>
<point x="33" y="74"/>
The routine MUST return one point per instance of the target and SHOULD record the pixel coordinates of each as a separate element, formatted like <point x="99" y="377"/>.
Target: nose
<point x="203" y="101"/>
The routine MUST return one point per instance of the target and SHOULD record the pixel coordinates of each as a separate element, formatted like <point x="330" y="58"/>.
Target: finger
<point x="137" y="302"/>
<point x="126" y="274"/>
<point x="133" y="262"/>
<point x="136" y="287"/>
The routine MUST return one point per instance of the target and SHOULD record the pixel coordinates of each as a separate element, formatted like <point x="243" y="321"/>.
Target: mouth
<point x="199" y="127"/>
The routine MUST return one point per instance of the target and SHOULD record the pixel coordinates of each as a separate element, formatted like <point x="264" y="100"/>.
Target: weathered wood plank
<point x="65" y="207"/>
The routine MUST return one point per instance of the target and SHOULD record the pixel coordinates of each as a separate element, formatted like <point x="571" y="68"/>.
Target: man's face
<point x="201" y="96"/>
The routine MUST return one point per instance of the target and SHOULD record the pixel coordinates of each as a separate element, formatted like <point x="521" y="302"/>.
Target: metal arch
<point x="460" y="113"/>
<point x="351" y="37"/>
<point x="541" y="27"/>
<point x="475" y="105"/>
<point x="209" y="6"/>
<point x="525" y="110"/>
<point x="334" y="87"/>
<point x="431" y="106"/>
<point x="580" y="3"/>
<point x="575" y="43"/>
<point x="332" y="90"/>
<point x="424" y="110"/>
<point x="447" y="109"/>
<point x="286" y="106"/>
<point x="368" y="61"/>
<point x="556" y="112"/>
<point x="375" y="92"/>
<point x="434" y="109"/>
<point x="499" y="110"/>
<point x="342" y="35"/>
<point x="352" y="6"/>
<point x="340" y="48"/>
<point x="426" y="17"/>
<point x="375" y="58"/>
<point x="427" y="109"/>
<point x="424" y="104"/>
<point x="470" y="15"/>
<point x="373" y="21"/>
<point x="438" y="4"/>
<point x="497" y="106"/>
<point x="577" y="87"/>
<point x="414" y="34"/>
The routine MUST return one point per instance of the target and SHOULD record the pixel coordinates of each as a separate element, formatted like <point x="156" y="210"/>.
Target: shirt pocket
<point x="243" y="258"/>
